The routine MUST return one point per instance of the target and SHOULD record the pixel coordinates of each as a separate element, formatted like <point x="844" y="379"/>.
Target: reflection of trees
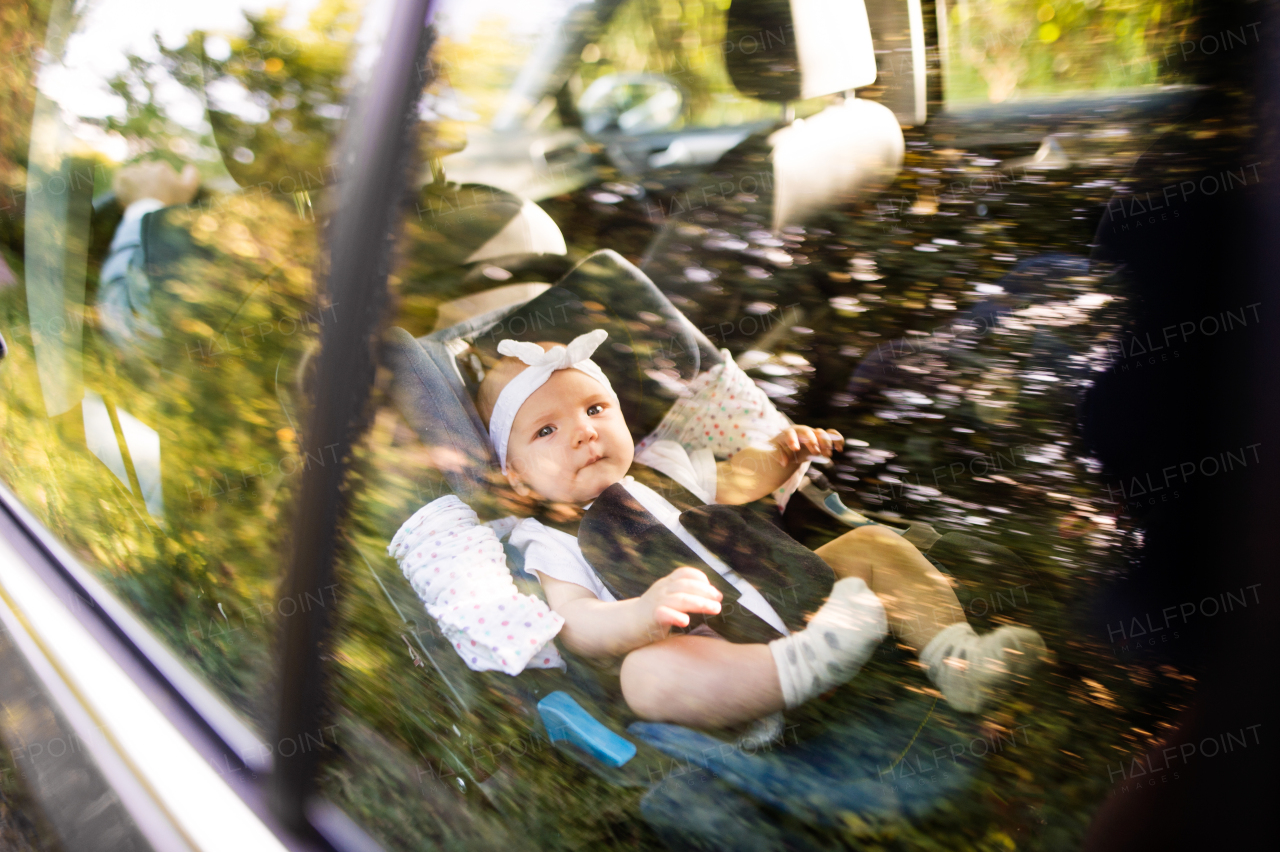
<point x="220" y="391"/>
<point x="20" y="27"/>
<point x="682" y="40"/>
<point x="232" y="291"/>
<point x="1016" y="46"/>
<point x="291" y="85"/>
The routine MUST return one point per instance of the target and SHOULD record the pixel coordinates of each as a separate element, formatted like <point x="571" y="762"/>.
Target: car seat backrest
<point x="460" y="310"/>
<point x="787" y="50"/>
<point x="429" y="393"/>
<point x="530" y="231"/>
<point x="462" y="224"/>
<point x="790" y="50"/>
<point x="651" y="345"/>
<point x="651" y="351"/>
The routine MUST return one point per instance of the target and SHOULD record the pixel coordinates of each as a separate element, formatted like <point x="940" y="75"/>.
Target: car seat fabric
<point x="652" y="347"/>
<point x="896" y="760"/>
<point x="724" y="411"/>
<point x="843" y="153"/>
<point x="428" y="391"/>
<point x="630" y="549"/>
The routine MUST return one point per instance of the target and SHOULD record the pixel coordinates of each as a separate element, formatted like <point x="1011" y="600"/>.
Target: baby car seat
<point x="855" y="765"/>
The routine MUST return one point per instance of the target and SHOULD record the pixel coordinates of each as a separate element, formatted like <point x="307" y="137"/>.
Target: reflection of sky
<point x="458" y="18"/>
<point x="111" y="29"/>
<point x="523" y="23"/>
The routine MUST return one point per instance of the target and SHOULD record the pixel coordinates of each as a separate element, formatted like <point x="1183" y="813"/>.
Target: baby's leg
<point x="925" y="615"/>
<point x="917" y="597"/>
<point x="706" y="681"/>
<point x="701" y="681"/>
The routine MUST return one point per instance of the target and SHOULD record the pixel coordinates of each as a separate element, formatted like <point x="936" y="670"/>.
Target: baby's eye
<point x="545" y="431"/>
<point x="593" y="410"/>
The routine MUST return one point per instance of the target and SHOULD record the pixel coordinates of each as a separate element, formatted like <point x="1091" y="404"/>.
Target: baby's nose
<point x="586" y="431"/>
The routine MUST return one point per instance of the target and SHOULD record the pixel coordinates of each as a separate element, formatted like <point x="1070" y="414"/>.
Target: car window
<point x="938" y="308"/>
<point x="947" y="317"/>
<point x="497" y="96"/>
<point x="852" y="389"/>
<point x="683" y="43"/>
<point x="993" y="52"/>
<point x="165" y="179"/>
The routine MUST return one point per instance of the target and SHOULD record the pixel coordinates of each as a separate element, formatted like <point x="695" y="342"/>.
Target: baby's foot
<point x="970" y="669"/>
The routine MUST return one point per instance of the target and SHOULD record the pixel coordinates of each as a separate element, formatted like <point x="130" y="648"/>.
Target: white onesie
<point x="556" y="554"/>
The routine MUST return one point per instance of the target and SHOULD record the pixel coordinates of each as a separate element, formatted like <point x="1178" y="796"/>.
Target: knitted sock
<point x="968" y="669"/>
<point x="839" y="639"/>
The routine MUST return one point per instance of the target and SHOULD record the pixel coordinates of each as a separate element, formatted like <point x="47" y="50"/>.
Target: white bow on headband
<point x="542" y="363"/>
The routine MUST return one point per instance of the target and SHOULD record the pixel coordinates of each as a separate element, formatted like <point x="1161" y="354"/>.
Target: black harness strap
<point x="630" y="550"/>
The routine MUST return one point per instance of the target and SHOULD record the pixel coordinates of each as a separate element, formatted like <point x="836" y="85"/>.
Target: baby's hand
<point x="682" y="591"/>
<point x="819" y="442"/>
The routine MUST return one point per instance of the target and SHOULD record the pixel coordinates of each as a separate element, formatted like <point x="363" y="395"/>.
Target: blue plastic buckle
<point x="565" y="719"/>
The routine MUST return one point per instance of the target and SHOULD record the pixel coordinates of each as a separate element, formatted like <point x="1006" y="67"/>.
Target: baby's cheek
<point x="546" y="463"/>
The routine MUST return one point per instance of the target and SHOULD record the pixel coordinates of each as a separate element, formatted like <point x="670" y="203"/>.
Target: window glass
<point x="931" y="292"/>
<point x="165" y="170"/>
<point x="494" y="103"/>
<point x="683" y="42"/>
<point x="1000" y="50"/>
<point x="481" y="50"/>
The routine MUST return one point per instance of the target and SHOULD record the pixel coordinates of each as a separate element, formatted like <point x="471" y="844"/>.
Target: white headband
<point x="542" y="363"/>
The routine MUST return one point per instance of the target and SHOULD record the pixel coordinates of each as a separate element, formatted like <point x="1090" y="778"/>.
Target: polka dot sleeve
<point x="724" y="412"/>
<point x="459" y="570"/>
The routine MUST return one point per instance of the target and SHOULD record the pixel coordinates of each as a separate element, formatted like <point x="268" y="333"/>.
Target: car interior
<point x="256" y="261"/>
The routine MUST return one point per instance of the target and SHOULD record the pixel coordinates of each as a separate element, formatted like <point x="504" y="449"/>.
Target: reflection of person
<point x="125" y="317"/>
<point x="124" y="293"/>
<point x="559" y="434"/>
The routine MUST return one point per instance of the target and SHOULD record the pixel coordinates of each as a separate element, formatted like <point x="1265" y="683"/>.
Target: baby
<point x="559" y="434"/>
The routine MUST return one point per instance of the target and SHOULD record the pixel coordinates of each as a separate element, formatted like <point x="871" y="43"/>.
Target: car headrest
<point x="834" y="158"/>
<point x="789" y="50"/>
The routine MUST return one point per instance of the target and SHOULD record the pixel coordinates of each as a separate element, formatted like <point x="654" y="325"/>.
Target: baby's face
<point x="569" y="441"/>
